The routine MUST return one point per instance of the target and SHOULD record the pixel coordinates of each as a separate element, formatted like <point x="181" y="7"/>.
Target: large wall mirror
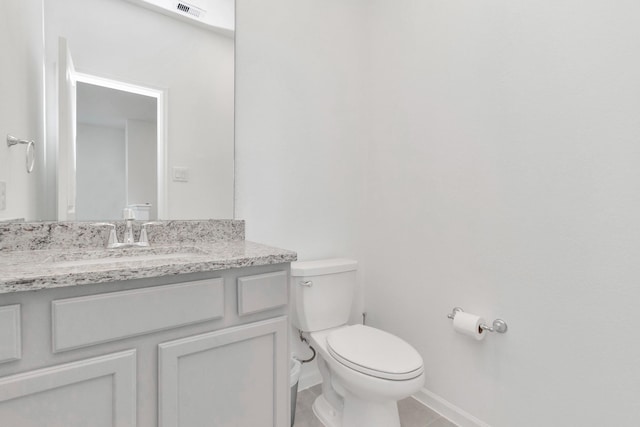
<point x="138" y="112"/>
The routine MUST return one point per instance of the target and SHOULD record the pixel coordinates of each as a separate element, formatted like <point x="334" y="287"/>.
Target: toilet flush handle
<point x="307" y="283"/>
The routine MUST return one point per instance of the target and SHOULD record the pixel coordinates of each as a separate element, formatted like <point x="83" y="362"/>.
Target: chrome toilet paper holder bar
<point x="499" y="325"/>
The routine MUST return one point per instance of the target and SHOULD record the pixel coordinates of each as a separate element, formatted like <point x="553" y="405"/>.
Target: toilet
<point x="365" y="371"/>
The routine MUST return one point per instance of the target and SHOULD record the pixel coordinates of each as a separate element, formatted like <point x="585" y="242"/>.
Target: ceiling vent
<point x="189" y="9"/>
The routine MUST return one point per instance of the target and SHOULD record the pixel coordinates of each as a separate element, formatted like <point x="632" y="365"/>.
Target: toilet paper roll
<point x="469" y="324"/>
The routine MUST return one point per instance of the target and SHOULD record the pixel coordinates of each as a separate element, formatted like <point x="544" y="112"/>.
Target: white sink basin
<point x="123" y="260"/>
<point x="124" y="256"/>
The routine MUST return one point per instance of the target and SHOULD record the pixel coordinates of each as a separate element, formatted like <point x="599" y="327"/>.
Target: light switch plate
<point x="3" y="195"/>
<point x="180" y="174"/>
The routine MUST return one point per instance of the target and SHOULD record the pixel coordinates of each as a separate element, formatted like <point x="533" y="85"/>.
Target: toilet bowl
<point x="365" y="370"/>
<point x="370" y="370"/>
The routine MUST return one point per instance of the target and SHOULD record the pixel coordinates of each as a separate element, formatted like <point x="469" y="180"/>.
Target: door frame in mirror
<point x="161" y="96"/>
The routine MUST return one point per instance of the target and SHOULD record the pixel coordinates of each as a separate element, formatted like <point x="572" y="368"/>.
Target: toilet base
<point x="357" y="412"/>
<point x="326" y="413"/>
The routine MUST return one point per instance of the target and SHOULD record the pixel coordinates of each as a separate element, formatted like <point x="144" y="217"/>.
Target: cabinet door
<point x="237" y="377"/>
<point x="94" y="392"/>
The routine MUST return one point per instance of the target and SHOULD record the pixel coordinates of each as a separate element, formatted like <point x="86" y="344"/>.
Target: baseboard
<point x="448" y="410"/>
<point x="428" y="398"/>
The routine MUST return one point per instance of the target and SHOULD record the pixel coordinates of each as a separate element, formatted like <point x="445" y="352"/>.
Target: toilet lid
<point x="375" y="352"/>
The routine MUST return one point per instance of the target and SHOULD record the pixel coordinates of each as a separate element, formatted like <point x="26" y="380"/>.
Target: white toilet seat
<point x="376" y="353"/>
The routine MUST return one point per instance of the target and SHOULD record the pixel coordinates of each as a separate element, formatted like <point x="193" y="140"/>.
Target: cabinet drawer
<point x="10" y="334"/>
<point x="84" y="321"/>
<point x="262" y="292"/>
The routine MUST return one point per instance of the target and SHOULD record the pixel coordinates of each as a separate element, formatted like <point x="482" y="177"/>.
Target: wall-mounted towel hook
<point x="31" y="150"/>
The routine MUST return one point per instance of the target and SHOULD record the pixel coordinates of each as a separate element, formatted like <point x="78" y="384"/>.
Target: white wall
<point x="504" y="172"/>
<point x="21" y="105"/>
<point x="299" y="144"/>
<point x="123" y="41"/>
<point x="142" y="164"/>
<point x="299" y="125"/>
<point x="101" y="172"/>
<point x="501" y="162"/>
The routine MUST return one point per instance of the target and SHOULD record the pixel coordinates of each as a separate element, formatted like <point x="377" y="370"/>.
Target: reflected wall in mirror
<point x="190" y="62"/>
<point x="21" y="108"/>
<point x="116" y="152"/>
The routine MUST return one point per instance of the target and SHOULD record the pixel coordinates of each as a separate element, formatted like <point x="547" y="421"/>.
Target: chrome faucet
<point x="113" y="237"/>
<point x="129" y="217"/>
<point x="128" y="240"/>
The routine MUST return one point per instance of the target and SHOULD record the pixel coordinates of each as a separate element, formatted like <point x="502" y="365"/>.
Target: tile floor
<point x="412" y="412"/>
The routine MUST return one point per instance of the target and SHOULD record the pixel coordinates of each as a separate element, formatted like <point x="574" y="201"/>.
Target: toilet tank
<point x="322" y="293"/>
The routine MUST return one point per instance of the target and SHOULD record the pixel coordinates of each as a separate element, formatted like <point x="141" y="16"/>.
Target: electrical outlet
<point x="3" y="195"/>
<point x="181" y="174"/>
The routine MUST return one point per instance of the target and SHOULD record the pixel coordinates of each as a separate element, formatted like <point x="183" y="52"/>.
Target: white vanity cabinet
<point x="201" y="349"/>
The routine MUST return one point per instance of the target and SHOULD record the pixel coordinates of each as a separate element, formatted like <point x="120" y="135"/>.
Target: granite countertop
<point x="48" y="266"/>
<point x="45" y="269"/>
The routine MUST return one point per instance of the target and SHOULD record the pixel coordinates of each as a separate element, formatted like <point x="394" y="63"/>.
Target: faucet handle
<point x="113" y="238"/>
<point x="144" y="240"/>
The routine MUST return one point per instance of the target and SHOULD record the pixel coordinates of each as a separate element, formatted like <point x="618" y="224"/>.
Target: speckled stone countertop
<point x="37" y="256"/>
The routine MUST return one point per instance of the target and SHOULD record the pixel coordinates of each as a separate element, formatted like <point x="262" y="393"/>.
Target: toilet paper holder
<point x="499" y="325"/>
